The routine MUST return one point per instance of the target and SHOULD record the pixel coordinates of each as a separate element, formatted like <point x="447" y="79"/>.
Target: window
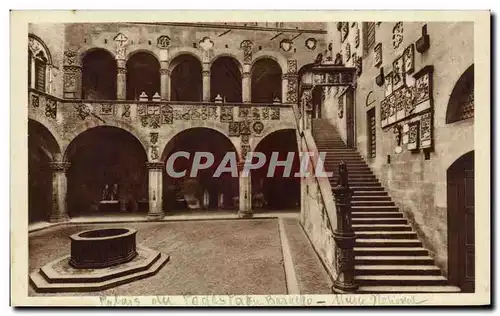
<point x="38" y="61"/>
<point x="371" y="130"/>
<point x="40" y="72"/>
<point x="461" y="104"/>
<point x="368" y="37"/>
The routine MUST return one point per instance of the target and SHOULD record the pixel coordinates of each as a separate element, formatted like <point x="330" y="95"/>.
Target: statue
<point x="105" y="193"/>
<point x="338" y="60"/>
<point x="114" y="193"/>
<point x="342" y="177"/>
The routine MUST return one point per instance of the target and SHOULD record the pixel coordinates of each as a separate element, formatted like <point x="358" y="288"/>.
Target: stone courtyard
<point x="221" y="257"/>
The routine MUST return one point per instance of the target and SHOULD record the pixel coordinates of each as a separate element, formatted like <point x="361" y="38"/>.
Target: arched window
<point x="99" y="76"/>
<point x="186" y="79"/>
<point x="38" y="61"/>
<point x="225" y="79"/>
<point x="143" y="75"/>
<point x="266" y="81"/>
<point x="461" y="104"/>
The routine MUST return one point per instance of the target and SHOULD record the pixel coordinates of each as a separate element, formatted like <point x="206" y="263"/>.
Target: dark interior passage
<point x="225" y="79"/>
<point x="105" y="156"/>
<point x="279" y="191"/>
<point x="266" y="81"/>
<point x="203" y="191"/>
<point x="143" y="75"/>
<point x="99" y="76"/>
<point x="186" y="79"/>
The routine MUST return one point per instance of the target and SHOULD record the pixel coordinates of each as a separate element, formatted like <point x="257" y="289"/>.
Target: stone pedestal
<point x="165" y="84"/>
<point x="245" y="200"/>
<point x="121" y="80"/>
<point x="155" y="171"/>
<point x="59" y="191"/>
<point x="344" y="236"/>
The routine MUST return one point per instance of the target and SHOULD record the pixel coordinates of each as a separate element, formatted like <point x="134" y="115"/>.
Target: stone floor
<point x="219" y="256"/>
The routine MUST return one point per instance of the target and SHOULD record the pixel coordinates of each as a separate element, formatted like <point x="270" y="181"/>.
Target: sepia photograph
<point x="321" y="161"/>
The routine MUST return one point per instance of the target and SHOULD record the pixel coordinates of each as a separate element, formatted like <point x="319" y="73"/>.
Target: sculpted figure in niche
<point x="105" y="196"/>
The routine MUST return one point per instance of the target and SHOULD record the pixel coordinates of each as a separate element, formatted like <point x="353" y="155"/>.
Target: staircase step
<point x="379" y="220"/>
<point x="390" y="251"/>
<point x="397" y="270"/>
<point x="401" y="280"/>
<point x="377" y="215"/>
<point x="366" y="188"/>
<point x="364" y="242"/>
<point x="408" y="289"/>
<point x="371" y="203"/>
<point x="381" y="227"/>
<point x="359" y="198"/>
<point x="360" y="193"/>
<point x="356" y="208"/>
<point x="390" y="260"/>
<point x="387" y="234"/>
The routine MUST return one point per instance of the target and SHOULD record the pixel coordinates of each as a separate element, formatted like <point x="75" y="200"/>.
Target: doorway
<point x="461" y="243"/>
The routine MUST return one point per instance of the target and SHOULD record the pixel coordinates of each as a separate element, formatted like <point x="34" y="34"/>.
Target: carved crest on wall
<point x="70" y="57"/>
<point x="397" y="35"/>
<point x="247" y="46"/>
<point x="206" y="43"/>
<point x="286" y="45"/>
<point x="163" y="42"/>
<point x="311" y="43"/>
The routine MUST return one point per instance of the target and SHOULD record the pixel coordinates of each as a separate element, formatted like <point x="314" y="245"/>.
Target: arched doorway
<point x="278" y="192"/>
<point x="225" y="79"/>
<point x="143" y="75"/>
<point x="461" y="243"/>
<point x="99" y="75"/>
<point x="266" y="81"/>
<point x="185" y="79"/>
<point x="101" y="157"/>
<point x="42" y="149"/>
<point x="204" y="191"/>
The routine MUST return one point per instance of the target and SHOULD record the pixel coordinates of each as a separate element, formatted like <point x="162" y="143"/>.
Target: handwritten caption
<point x="264" y="300"/>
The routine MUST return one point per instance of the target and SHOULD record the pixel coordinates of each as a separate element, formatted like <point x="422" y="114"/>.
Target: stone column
<point x="344" y="235"/>
<point x="59" y="191"/>
<point x="165" y="84"/>
<point x="155" y="175"/>
<point x="245" y="209"/>
<point x="246" y="84"/>
<point x="284" y="88"/>
<point x="121" y="79"/>
<point x="206" y="82"/>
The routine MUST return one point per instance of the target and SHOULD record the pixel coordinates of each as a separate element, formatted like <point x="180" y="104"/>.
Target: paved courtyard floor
<point x="220" y="256"/>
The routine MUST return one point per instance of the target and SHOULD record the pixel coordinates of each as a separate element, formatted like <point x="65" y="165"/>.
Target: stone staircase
<point x="389" y="257"/>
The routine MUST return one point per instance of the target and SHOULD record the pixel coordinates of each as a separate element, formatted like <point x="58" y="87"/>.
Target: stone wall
<point x="416" y="184"/>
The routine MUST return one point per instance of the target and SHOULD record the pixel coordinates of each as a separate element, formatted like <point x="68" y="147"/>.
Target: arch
<point x="266" y="81"/>
<point x="280" y="191"/>
<point x="44" y="47"/>
<point x="44" y="136"/>
<point x="226" y="79"/>
<point x="178" y="51"/>
<point x="143" y="75"/>
<point x="460" y="221"/>
<point x="105" y="156"/>
<point x="87" y="50"/>
<point x="276" y="56"/>
<point x="81" y="128"/>
<point x="282" y="125"/>
<point x="198" y="125"/>
<point x="203" y="190"/>
<point x="461" y="103"/>
<point x="142" y="50"/>
<point x="99" y="75"/>
<point x="231" y="55"/>
<point x="186" y="78"/>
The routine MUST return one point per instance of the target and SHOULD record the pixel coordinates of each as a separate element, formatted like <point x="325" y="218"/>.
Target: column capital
<point x="155" y="165"/>
<point x="246" y="74"/>
<point x="289" y="76"/>
<point x="59" y="166"/>
<point x="121" y="70"/>
<point x="205" y="73"/>
<point x="165" y="71"/>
